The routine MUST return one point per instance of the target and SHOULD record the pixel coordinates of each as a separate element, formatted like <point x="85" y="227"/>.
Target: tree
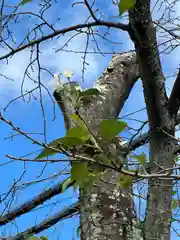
<point x="100" y="161"/>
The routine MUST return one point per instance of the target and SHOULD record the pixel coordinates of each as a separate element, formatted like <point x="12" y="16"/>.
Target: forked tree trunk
<point x="106" y="210"/>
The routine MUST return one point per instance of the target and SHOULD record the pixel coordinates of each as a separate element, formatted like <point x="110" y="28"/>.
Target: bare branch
<point x="31" y="204"/>
<point x="49" y="222"/>
<point x="90" y="10"/>
<point x="138" y="142"/>
<point x="144" y="138"/>
<point x="121" y="26"/>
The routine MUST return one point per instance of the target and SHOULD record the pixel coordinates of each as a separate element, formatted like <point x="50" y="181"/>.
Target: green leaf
<point x="78" y="121"/>
<point x="79" y="172"/>
<point x="49" y="152"/>
<point x="65" y="142"/>
<point x="43" y="238"/>
<point x="174" y="204"/>
<point x="25" y="2"/>
<point x="177" y="159"/>
<point x="45" y="153"/>
<point x="174" y="193"/>
<point x="173" y="220"/>
<point x="90" y="92"/>
<point x="78" y="231"/>
<point x="75" y="186"/>
<point x="88" y="182"/>
<point x="141" y="158"/>
<point x="78" y="132"/>
<point x="124" y="181"/>
<point x="75" y="136"/>
<point x="125" y="5"/>
<point x="66" y="183"/>
<point x="68" y="142"/>
<point x="33" y="238"/>
<point x="111" y="127"/>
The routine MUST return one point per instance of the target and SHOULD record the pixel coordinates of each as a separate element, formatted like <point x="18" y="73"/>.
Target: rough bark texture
<point x="106" y="210"/>
<point x="142" y="32"/>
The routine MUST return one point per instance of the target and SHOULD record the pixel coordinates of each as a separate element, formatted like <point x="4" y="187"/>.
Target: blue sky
<point x="28" y="116"/>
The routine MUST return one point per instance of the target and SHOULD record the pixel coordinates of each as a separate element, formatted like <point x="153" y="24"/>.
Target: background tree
<point x="124" y="194"/>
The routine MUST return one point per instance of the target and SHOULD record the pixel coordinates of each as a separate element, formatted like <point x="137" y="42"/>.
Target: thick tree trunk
<point x="161" y="122"/>
<point x="157" y="221"/>
<point x="106" y="210"/>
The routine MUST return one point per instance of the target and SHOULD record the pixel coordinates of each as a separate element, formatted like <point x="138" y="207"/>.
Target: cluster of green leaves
<point x="79" y="136"/>
<point x="74" y="137"/>
<point x="126" y="180"/>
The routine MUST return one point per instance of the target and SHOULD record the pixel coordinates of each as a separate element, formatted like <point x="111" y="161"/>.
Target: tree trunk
<point x="157" y="221"/>
<point x="161" y="121"/>
<point x="106" y="210"/>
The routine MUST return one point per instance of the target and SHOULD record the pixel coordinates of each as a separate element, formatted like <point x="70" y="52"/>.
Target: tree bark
<point x="161" y="122"/>
<point x="106" y="210"/>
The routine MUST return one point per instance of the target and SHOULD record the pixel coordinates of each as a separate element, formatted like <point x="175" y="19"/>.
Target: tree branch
<point x="174" y="100"/>
<point x="144" y="138"/>
<point x="31" y="204"/>
<point x="138" y="142"/>
<point x="49" y="222"/>
<point x="143" y="34"/>
<point x="121" y="26"/>
<point x="162" y="146"/>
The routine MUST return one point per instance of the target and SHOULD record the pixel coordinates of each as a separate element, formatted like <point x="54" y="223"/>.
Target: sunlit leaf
<point x="74" y="137"/>
<point x="79" y="171"/>
<point x="43" y="238"/>
<point x="45" y="153"/>
<point x="125" y="5"/>
<point x="124" y="181"/>
<point x="78" y="120"/>
<point x="174" y="204"/>
<point x="66" y="184"/>
<point x="141" y="158"/>
<point x="33" y="238"/>
<point x="88" y="182"/>
<point x="174" y="193"/>
<point x="25" y="2"/>
<point x="111" y="127"/>
<point x="75" y="186"/>
<point x="49" y="152"/>
<point x="68" y="142"/>
<point x="177" y="159"/>
<point x="78" y="132"/>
